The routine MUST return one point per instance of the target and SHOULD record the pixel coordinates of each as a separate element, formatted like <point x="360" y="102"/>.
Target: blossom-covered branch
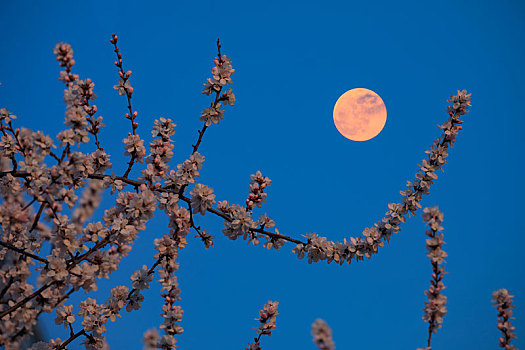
<point x="171" y="313"/>
<point x="85" y="90"/>
<point x="64" y="55"/>
<point x="267" y="318"/>
<point x="435" y="309"/>
<point x="221" y="76"/>
<point x="503" y="302"/>
<point x="319" y="248"/>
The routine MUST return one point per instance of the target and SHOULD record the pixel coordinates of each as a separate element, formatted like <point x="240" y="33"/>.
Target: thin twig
<point x="71" y="338"/>
<point x="54" y="156"/>
<point x="37" y="217"/>
<point x="129" y="92"/>
<point x="30" y="203"/>
<point x="23" y="252"/>
<point x="6" y="288"/>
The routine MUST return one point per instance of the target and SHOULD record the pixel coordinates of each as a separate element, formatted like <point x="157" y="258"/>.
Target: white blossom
<point x="202" y="198"/>
<point x="65" y="315"/>
<point x="141" y="278"/>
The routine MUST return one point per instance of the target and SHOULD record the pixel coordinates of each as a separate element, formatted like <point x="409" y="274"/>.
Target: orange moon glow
<point x="359" y="114"/>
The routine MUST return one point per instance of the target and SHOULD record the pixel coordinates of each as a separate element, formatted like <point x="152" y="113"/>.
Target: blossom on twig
<point x="256" y="195"/>
<point x="65" y="315"/>
<point x="202" y="198"/>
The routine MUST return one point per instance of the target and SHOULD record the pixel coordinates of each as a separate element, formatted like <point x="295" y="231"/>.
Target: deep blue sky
<point x="293" y="60"/>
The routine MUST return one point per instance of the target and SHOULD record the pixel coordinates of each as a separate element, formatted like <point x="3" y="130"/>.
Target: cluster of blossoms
<point x="186" y="172"/>
<point x="319" y="248"/>
<point x="161" y="150"/>
<point x="257" y="196"/>
<point x="503" y="302"/>
<point x="65" y="315"/>
<point x="64" y="56"/>
<point x="134" y="147"/>
<point x="240" y="223"/>
<point x="202" y="198"/>
<point x="80" y="115"/>
<point x="221" y="76"/>
<point x="83" y="90"/>
<point x="75" y="113"/>
<point x="267" y="318"/>
<point x="322" y="335"/>
<point x="435" y="309"/>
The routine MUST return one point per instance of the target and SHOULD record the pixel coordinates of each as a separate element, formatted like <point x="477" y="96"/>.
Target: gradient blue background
<point x="293" y="60"/>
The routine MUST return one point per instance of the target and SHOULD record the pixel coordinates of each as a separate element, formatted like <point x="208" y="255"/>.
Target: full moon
<point x="359" y="114"/>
